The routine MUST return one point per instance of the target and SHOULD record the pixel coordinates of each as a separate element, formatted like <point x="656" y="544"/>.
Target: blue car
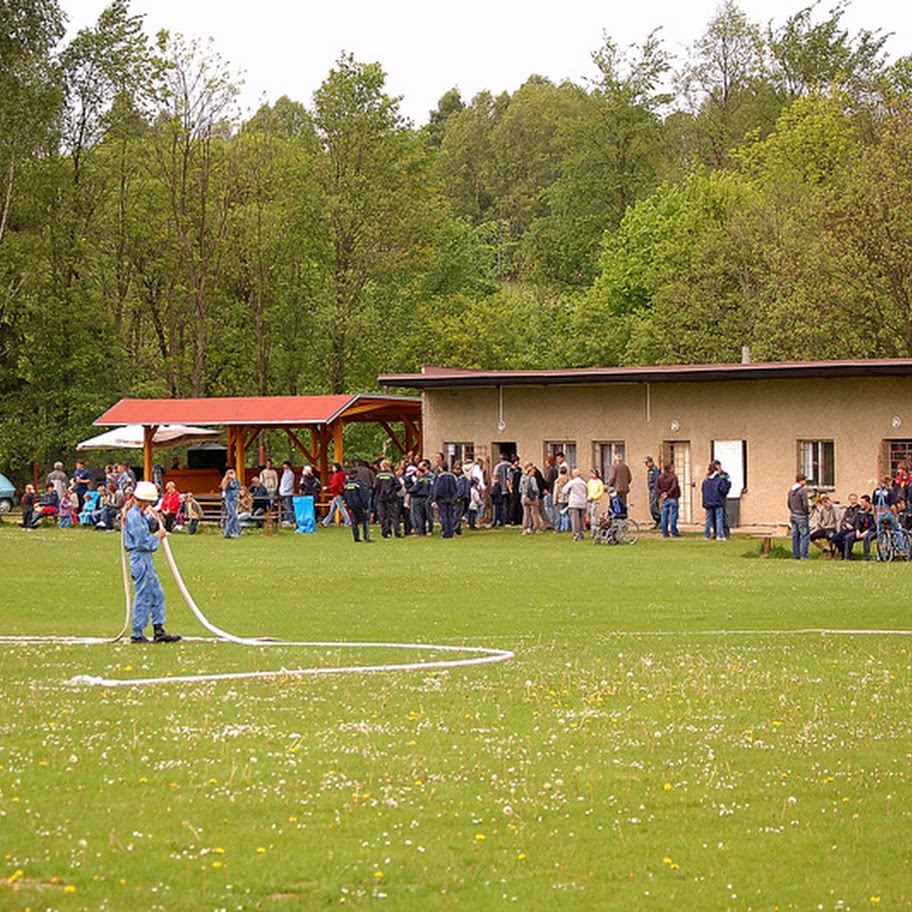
<point x="8" y="495"/>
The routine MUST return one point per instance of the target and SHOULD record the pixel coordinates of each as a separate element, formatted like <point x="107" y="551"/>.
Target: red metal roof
<point x="432" y="377"/>
<point x="287" y="411"/>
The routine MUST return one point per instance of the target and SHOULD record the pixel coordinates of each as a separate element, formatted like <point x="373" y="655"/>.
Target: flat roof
<point x="432" y="377"/>
<point x="262" y="411"/>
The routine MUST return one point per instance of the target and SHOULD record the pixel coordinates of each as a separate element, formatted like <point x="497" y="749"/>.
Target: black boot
<point x="162" y="637"/>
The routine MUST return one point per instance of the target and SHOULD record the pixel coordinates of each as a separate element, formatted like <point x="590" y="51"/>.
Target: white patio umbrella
<point x="130" y="437"/>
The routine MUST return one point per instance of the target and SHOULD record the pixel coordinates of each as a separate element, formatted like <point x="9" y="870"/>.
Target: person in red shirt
<point x="335" y="488"/>
<point x="170" y="505"/>
<point x="669" y="496"/>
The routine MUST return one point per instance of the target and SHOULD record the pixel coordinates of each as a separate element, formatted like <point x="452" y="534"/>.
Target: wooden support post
<point x="148" y="460"/>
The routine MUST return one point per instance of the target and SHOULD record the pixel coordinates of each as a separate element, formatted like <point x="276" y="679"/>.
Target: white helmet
<point x="146" y="491"/>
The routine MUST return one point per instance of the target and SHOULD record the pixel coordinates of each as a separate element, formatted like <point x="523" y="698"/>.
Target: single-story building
<point x="842" y="423"/>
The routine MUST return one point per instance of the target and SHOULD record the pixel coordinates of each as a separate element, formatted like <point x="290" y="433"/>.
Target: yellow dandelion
<point x="480" y="837"/>
<point x="261" y="850"/>
<point x="378" y="875"/>
<point x="69" y="888"/>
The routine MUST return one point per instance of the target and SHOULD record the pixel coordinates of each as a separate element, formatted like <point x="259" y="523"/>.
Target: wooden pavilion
<point x="323" y="418"/>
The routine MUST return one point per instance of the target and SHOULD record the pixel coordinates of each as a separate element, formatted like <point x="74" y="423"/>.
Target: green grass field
<point x="672" y="733"/>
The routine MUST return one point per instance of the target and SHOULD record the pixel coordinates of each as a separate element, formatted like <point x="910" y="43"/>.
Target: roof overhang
<point x="262" y="411"/>
<point x="453" y="378"/>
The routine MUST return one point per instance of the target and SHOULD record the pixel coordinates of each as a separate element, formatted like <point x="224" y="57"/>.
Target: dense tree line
<point x="154" y="243"/>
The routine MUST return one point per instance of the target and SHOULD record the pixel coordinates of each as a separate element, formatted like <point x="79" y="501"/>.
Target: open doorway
<point x="677" y="452"/>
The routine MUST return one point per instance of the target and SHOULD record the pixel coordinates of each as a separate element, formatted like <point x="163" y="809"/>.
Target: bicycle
<point x="888" y="544"/>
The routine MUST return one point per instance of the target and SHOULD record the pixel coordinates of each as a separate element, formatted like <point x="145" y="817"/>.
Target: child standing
<point x="66" y="508"/>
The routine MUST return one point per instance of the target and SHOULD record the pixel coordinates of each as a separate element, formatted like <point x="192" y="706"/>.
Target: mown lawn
<point x="675" y="731"/>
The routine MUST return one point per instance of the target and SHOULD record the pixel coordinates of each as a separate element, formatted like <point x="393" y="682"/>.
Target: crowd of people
<point x="418" y="496"/>
<point x="836" y="529"/>
<point x="414" y="496"/>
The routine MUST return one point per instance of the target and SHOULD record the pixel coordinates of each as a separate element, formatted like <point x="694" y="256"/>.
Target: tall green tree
<point x="379" y="213"/>
<point x="30" y="97"/>
<point x="725" y="86"/>
<point x="465" y="165"/>
<point x="194" y="182"/>
<point x="274" y="247"/>
<point x="822" y="55"/>
<point x="612" y="155"/>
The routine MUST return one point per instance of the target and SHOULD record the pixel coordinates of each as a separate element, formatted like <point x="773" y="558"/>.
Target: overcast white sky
<point x="287" y="47"/>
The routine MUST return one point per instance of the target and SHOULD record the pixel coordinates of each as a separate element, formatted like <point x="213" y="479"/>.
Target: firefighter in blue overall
<point x="141" y="544"/>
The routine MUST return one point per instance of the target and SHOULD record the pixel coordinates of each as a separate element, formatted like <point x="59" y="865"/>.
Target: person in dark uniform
<point x="357" y="499"/>
<point x="463" y="496"/>
<point x="386" y="490"/>
<point x="421" y="492"/>
<point x="655" y="506"/>
<point x="445" y="490"/>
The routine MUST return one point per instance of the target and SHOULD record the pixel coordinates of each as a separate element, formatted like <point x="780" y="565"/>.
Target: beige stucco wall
<point x="771" y="415"/>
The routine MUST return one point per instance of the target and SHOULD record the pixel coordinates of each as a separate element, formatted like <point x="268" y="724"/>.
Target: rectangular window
<point x="816" y="459"/>
<point x="895" y="453"/>
<point x="463" y="452"/>
<point x="567" y="447"/>
<point x="605" y="453"/>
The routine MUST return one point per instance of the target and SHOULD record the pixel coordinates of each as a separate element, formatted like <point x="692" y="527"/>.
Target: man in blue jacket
<point x="714" y="504"/>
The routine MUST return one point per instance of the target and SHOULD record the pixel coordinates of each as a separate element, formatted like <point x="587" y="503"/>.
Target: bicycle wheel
<point x="885" y="545"/>
<point x="628" y="532"/>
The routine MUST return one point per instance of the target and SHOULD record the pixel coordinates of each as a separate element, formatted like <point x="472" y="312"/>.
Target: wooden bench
<point x="766" y="536"/>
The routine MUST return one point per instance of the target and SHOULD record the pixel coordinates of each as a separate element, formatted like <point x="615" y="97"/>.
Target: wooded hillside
<point x="152" y="243"/>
